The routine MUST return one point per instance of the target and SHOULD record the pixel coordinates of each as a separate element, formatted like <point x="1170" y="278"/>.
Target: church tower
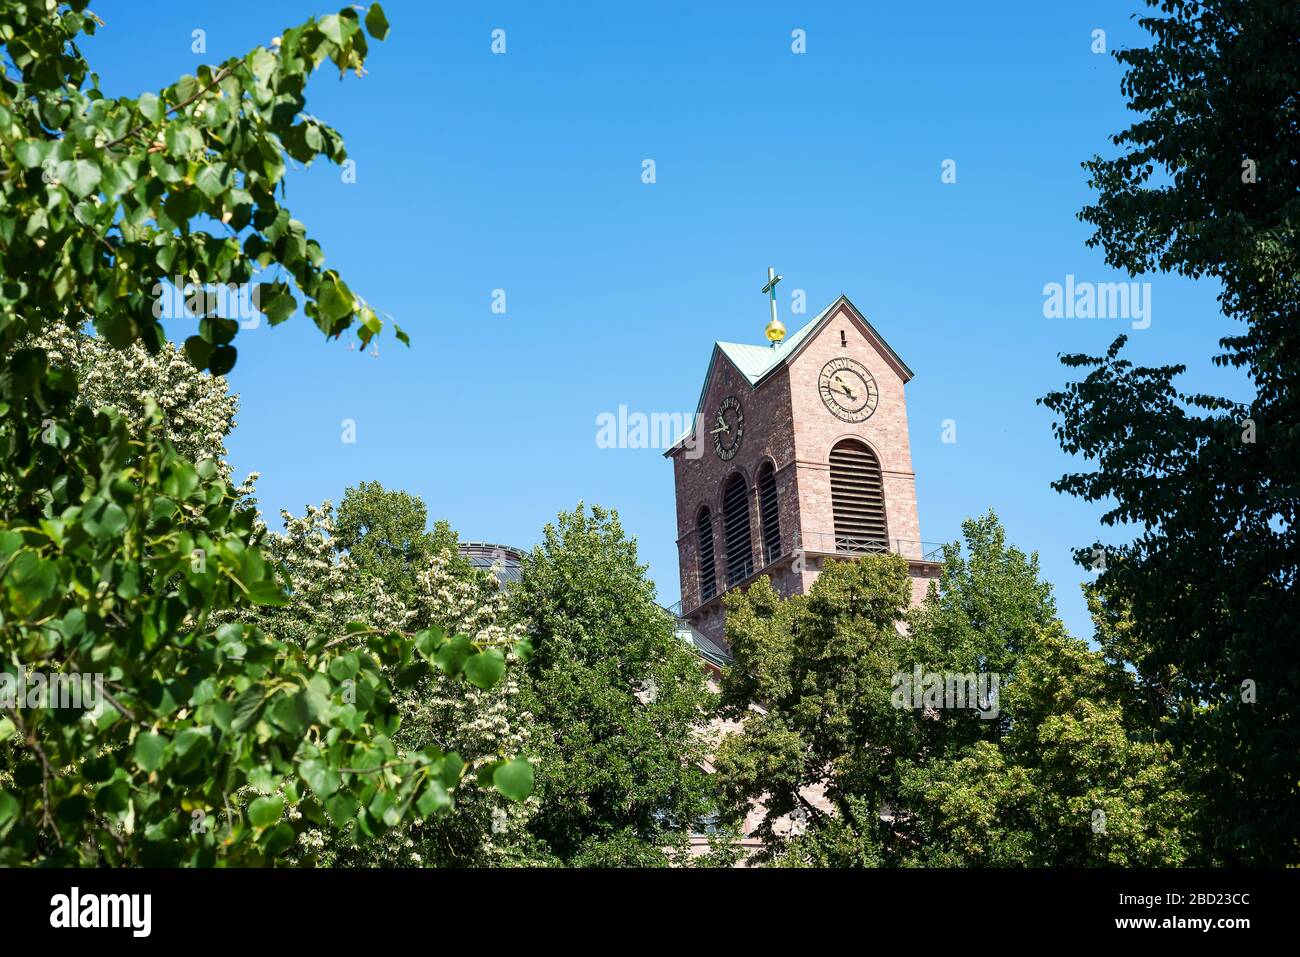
<point x="799" y="454"/>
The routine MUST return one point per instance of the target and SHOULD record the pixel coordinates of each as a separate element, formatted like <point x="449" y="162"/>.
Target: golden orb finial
<point x="775" y="331"/>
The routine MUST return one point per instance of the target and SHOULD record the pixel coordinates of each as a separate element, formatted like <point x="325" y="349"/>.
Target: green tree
<point x="119" y="557"/>
<point x="329" y="590"/>
<point x="1070" y="782"/>
<point x="616" y="697"/>
<point x="386" y="534"/>
<point x="840" y="743"/>
<point x="1207" y="183"/>
<point x="818" y="666"/>
<point x="197" y="409"/>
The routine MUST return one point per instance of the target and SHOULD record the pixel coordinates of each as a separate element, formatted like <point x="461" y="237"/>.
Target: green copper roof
<point x="757" y="361"/>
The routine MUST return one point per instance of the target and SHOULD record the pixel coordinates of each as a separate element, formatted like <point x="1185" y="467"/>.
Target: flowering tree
<point x="197" y="409"/>
<point x="331" y="588"/>
<point x="122" y="559"/>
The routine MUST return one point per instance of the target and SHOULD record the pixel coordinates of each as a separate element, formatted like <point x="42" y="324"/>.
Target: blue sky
<point x="523" y="172"/>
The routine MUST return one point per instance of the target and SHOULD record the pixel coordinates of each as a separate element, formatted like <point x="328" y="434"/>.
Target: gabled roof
<point x="707" y="649"/>
<point x="758" y="363"/>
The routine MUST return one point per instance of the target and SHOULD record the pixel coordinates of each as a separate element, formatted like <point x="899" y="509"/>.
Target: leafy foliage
<point x="880" y="782"/>
<point x="107" y="197"/>
<point x="1207" y="183"/>
<point x="329" y="588"/>
<point x="616" y="696"/>
<point x="122" y="558"/>
<point x="198" y="412"/>
<point x="385" y="533"/>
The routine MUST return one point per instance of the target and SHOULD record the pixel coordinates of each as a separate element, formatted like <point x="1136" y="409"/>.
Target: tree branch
<point x="216" y="78"/>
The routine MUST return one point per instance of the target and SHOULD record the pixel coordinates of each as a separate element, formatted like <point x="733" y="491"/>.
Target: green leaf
<point x="31" y="153"/>
<point x="267" y="592"/>
<point x="322" y="779"/>
<point x="112" y="520"/>
<point x="376" y="22"/>
<point x="275" y="301"/>
<point x="334" y="298"/>
<point x="341" y="808"/>
<point x="263" y="780"/>
<point x="514" y="779"/>
<point x="181" y="481"/>
<point x="485" y="669"/>
<point x="265" y="811"/>
<point x="9" y="808"/>
<point x="450" y="771"/>
<point x="434" y="799"/>
<point x="34" y="577"/>
<point x="149" y="750"/>
<point x="151" y="108"/>
<point x="211" y="180"/>
<point x="279" y="840"/>
<point x="129" y="585"/>
<point x="222" y="360"/>
<point x="83" y="177"/>
<point x="72" y="810"/>
<point x="198" y="350"/>
<point x="428" y="641"/>
<point x="337" y="28"/>
<point x="218" y="330"/>
<point x="247" y="707"/>
<point x="343" y="667"/>
<point x="451" y="657"/>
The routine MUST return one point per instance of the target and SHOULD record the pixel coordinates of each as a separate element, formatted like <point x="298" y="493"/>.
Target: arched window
<point x="768" y="514"/>
<point x="858" y="499"/>
<point x="704" y="539"/>
<point x="735" y="520"/>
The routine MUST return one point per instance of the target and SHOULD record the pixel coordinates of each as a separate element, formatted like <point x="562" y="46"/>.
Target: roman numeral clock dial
<point x="728" y="427"/>
<point x="848" y="389"/>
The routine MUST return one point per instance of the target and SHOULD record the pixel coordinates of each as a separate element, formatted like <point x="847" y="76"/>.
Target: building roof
<point x="757" y="363"/>
<point x="710" y="651"/>
<point x="502" y="561"/>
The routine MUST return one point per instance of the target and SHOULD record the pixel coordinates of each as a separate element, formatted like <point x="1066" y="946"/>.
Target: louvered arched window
<point x="768" y="514"/>
<point x="858" y="499"/>
<point x="735" y="521"/>
<point x="704" y="540"/>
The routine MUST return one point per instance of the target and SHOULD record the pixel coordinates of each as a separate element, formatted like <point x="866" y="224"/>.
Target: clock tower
<point x="799" y="454"/>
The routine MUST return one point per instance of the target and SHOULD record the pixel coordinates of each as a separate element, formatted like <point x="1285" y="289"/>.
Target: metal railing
<point x="825" y="544"/>
<point x="829" y="543"/>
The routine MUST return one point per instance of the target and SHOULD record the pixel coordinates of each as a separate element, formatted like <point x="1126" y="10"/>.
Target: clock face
<point x="728" y="427"/>
<point x="848" y="389"/>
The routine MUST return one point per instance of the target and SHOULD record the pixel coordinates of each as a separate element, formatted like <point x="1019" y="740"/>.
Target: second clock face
<point x="728" y="427"/>
<point x="848" y="389"/>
